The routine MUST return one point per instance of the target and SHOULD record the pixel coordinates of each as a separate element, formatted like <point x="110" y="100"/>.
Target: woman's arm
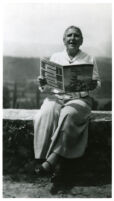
<point x="96" y="74"/>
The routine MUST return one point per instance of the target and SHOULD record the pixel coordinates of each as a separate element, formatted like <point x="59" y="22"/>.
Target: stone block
<point x="18" y="153"/>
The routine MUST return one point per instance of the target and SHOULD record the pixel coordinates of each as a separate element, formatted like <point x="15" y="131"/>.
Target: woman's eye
<point x="69" y="35"/>
<point x="76" y="36"/>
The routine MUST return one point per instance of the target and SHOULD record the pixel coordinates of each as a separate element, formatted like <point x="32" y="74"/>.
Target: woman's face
<point x="72" y="39"/>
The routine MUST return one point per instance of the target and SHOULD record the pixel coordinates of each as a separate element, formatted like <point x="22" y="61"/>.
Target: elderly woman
<point x="61" y="125"/>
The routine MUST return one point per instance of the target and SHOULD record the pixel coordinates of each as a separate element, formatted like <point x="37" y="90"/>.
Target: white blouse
<point x="62" y="58"/>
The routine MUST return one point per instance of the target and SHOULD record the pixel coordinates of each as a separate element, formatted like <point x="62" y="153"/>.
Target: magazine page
<point x="53" y="73"/>
<point x="78" y="78"/>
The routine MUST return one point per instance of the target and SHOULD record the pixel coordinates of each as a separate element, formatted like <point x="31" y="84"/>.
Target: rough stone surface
<point x="89" y="176"/>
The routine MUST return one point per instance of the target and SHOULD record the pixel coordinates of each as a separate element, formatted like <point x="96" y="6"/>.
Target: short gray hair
<point x="73" y="27"/>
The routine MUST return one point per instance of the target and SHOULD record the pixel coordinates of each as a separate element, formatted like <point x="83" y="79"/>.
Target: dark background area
<point x="20" y="87"/>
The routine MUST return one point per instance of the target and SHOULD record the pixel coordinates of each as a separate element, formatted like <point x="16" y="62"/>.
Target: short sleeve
<point x="95" y="71"/>
<point x="96" y="74"/>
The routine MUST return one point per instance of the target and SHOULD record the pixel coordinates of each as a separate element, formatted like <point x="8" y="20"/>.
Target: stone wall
<point x="18" y="154"/>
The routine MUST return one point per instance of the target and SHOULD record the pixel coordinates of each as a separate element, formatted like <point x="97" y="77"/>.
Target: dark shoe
<point x="57" y="177"/>
<point x="58" y="174"/>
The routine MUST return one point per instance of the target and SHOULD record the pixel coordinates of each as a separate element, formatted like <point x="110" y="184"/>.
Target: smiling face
<point x="73" y="40"/>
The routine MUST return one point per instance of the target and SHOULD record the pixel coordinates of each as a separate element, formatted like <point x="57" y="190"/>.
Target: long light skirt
<point x="62" y="129"/>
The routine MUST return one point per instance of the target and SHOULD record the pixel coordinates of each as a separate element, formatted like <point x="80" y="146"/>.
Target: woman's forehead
<point x="73" y="30"/>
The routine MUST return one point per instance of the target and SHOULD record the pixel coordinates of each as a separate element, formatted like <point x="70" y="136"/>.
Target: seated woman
<point x="61" y="125"/>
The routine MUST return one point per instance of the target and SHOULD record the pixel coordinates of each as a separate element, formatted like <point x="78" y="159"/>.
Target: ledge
<point x="18" y="152"/>
<point x="24" y="114"/>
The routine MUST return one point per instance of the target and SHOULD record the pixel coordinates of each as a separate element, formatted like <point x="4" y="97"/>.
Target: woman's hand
<point x="43" y="87"/>
<point x="41" y="81"/>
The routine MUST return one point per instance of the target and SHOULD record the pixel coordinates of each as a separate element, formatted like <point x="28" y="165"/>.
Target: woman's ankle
<point x="47" y="166"/>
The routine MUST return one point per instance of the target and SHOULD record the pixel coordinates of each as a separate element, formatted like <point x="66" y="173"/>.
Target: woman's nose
<point x="72" y="36"/>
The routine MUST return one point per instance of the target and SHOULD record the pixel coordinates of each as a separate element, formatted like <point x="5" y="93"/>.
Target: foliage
<point x="17" y="144"/>
<point x="6" y="103"/>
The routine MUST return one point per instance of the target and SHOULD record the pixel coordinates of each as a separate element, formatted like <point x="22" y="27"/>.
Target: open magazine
<point x="68" y="78"/>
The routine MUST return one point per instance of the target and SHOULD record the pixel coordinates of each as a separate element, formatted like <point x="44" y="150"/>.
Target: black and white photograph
<point x="57" y="99"/>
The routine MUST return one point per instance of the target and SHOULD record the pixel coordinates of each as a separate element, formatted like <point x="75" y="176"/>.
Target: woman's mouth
<point x="72" y="44"/>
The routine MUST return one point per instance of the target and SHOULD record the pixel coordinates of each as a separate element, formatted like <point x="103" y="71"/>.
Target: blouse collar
<point x="69" y="59"/>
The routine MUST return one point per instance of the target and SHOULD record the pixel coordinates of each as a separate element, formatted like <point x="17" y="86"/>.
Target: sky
<point x="36" y="29"/>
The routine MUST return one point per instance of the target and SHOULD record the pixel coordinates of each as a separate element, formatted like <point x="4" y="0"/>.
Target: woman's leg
<point x="45" y="123"/>
<point x="51" y="162"/>
<point x="71" y="136"/>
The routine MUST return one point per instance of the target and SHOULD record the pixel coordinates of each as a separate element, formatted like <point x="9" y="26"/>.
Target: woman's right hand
<point x="43" y="87"/>
<point x="41" y="81"/>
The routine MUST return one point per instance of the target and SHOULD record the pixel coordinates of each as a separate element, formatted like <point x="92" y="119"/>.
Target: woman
<point x="61" y="125"/>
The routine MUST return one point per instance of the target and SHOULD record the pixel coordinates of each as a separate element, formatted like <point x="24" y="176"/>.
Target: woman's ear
<point x="64" y="41"/>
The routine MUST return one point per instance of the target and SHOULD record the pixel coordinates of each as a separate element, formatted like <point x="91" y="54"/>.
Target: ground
<point x="22" y="186"/>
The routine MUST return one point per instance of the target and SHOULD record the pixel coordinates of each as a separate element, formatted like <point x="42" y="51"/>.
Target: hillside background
<point x="20" y="87"/>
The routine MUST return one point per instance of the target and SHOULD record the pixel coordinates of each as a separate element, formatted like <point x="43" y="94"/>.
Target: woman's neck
<point x="72" y="53"/>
